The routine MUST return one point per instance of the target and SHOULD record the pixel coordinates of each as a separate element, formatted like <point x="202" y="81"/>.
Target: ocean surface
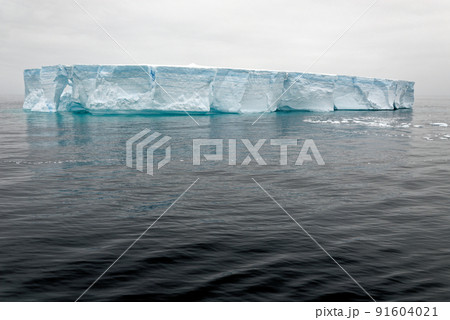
<point x="380" y="206"/>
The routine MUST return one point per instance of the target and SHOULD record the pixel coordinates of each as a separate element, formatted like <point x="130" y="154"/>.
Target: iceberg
<point x="102" y="89"/>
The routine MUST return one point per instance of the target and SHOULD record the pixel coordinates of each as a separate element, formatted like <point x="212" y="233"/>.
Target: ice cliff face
<point x="140" y="89"/>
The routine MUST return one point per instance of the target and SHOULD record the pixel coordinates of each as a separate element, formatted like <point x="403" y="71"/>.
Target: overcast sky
<point x="396" y="39"/>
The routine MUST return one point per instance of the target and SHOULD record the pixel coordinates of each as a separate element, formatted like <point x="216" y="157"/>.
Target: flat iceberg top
<point x="152" y="88"/>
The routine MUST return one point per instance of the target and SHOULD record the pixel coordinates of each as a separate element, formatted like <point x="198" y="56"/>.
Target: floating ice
<point x="141" y="89"/>
<point x="361" y="121"/>
<point x="439" y="124"/>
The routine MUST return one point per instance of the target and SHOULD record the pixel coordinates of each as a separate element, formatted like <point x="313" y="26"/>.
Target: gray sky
<point x="396" y="39"/>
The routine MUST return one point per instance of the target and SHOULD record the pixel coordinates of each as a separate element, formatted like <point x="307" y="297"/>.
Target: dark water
<point x="380" y="206"/>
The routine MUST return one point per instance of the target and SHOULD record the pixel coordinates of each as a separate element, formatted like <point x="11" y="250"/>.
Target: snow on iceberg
<point x="102" y="89"/>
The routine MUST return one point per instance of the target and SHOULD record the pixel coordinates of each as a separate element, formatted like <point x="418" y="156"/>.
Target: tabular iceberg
<point x="100" y="89"/>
